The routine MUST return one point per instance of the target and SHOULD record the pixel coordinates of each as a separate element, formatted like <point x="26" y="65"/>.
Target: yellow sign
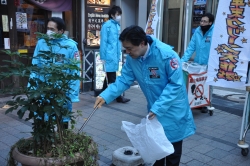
<point x="99" y="2"/>
<point x="21" y="51"/>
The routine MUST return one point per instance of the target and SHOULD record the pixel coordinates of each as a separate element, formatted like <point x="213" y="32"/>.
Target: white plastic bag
<point x="193" y="68"/>
<point x="149" y="139"/>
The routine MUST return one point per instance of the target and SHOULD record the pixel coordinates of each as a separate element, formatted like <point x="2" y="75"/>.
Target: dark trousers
<point x="111" y="79"/>
<point x="173" y="159"/>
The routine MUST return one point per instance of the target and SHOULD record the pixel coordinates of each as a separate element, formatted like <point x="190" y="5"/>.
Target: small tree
<point x="45" y="99"/>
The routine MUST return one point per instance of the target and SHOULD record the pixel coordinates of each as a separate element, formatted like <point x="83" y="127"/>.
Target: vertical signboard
<point x="229" y="52"/>
<point x="154" y="25"/>
<point x="96" y="14"/>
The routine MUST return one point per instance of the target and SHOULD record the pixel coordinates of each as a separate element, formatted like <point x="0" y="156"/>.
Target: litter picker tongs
<point x="86" y="121"/>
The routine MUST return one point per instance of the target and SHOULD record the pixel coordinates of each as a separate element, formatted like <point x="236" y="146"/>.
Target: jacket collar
<point x="115" y="22"/>
<point x="210" y="29"/>
<point x="156" y="44"/>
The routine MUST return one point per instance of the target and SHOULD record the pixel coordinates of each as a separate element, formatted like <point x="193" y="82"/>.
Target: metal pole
<point x="84" y="124"/>
<point x="159" y="34"/>
<point x="184" y="28"/>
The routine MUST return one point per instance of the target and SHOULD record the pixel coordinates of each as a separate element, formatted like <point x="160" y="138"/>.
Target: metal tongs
<point x="86" y="121"/>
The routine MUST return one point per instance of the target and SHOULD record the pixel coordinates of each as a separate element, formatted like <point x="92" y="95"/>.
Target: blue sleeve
<point x="35" y="61"/>
<point x="36" y="52"/>
<point x="121" y="84"/>
<point x="190" y="50"/>
<point x="104" y="41"/>
<point x="75" y="85"/>
<point x="172" y="90"/>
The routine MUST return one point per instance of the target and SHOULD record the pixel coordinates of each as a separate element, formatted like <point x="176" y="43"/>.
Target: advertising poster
<point x="100" y="73"/>
<point x="5" y="23"/>
<point x="229" y="52"/>
<point x="97" y="14"/>
<point x="198" y="90"/>
<point x="21" y="20"/>
<point x="6" y="43"/>
<point x="98" y="2"/>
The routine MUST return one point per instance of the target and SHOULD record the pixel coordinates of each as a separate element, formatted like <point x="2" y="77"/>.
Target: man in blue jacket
<point x="201" y="43"/>
<point x="110" y="48"/>
<point x="157" y="68"/>
<point x="57" y="26"/>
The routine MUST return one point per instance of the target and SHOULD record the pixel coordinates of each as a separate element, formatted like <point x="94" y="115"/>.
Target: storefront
<point x="20" y="19"/>
<point x="180" y="18"/>
<point x="95" y="13"/>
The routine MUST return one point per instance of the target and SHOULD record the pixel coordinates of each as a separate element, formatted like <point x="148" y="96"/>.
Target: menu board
<point x="96" y="15"/>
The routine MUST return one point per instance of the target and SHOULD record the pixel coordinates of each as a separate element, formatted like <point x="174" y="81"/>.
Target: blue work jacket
<point x="201" y="44"/>
<point x="161" y="80"/>
<point x="110" y="46"/>
<point x="71" y="52"/>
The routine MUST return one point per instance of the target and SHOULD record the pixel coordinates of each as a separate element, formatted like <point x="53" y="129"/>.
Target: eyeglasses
<point x="204" y="21"/>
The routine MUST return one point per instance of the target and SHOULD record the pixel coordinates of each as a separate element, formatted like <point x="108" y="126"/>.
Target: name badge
<point x="154" y="72"/>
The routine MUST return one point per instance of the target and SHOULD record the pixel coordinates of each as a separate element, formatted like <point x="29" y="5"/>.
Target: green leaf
<point x="57" y="111"/>
<point x="11" y="102"/>
<point x="9" y="110"/>
<point x="33" y="107"/>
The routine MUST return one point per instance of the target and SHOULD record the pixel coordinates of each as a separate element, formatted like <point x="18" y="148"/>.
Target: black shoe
<point x="204" y="110"/>
<point x="122" y="100"/>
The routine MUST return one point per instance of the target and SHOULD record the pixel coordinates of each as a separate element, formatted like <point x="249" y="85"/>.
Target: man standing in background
<point x="201" y="43"/>
<point x="55" y="26"/>
<point x="110" y="48"/>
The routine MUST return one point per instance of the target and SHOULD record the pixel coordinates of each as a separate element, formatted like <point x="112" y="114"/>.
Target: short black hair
<point x="59" y="22"/>
<point x="210" y="17"/>
<point x="134" y="34"/>
<point x="113" y="10"/>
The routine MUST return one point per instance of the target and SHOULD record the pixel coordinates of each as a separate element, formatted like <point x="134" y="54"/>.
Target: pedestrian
<point x="156" y="67"/>
<point x="56" y="25"/>
<point x="201" y="43"/>
<point x="110" y="48"/>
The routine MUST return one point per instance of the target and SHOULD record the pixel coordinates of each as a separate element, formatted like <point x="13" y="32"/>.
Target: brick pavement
<point x="214" y="143"/>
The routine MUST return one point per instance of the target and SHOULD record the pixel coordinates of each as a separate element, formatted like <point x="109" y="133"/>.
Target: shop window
<point x="29" y="19"/>
<point x="4" y="28"/>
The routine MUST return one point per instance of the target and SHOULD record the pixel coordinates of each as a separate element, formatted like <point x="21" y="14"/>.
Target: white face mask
<point x="118" y="18"/>
<point x="50" y="33"/>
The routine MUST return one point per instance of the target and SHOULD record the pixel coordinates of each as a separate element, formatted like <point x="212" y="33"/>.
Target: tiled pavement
<point x="214" y="143"/>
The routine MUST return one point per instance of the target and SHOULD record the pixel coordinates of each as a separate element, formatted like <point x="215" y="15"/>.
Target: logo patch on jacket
<point x="174" y="63"/>
<point x="208" y="38"/>
<point x="59" y="58"/>
<point x="77" y="56"/>
<point x="154" y="72"/>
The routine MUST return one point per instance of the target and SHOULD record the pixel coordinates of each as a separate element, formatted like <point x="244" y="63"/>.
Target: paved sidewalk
<point x="214" y="143"/>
